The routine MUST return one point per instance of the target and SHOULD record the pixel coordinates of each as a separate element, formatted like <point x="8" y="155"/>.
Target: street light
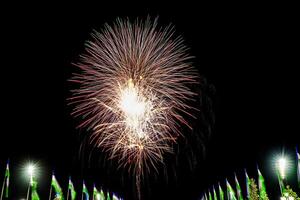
<point x="282" y="164"/>
<point x="30" y="171"/>
<point x="282" y="169"/>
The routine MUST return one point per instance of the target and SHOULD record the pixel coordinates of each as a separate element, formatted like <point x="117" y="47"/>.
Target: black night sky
<point x="246" y="53"/>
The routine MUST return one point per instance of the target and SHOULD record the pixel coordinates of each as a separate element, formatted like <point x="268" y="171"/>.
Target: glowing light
<point x="282" y="164"/>
<point x="30" y="170"/>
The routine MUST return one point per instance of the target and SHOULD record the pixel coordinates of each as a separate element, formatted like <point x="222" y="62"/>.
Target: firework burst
<point x="134" y="92"/>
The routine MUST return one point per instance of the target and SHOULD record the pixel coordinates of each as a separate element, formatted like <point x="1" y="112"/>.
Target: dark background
<point x="247" y="52"/>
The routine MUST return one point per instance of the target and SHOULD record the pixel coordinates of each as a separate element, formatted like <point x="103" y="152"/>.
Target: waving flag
<point x="57" y="188"/>
<point x="221" y="193"/>
<point x="280" y="181"/>
<point x="5" y="184"/>
<point x="230" y="192"/>
<point x="209" y="195"/>
<point x="238" y="189"/>
<point x="215" y="194"/>
<point x="85" y="191"/>
<point x="34" y="194"/>
<point x="261" y="185"/>
<point x="115" y="197"/>
<point x="107" y="196"/>
<point x="102" y="196"/>
<point x="96" y="193"/>
<point x="7" y="176"/>
<point x="71" y="189"/>
<point x="247" y="184"/>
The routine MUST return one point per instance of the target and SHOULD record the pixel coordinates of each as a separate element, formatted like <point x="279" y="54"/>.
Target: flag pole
<point x="298" y="166"/>
<point x="227" y="188"/>
<point x="281" y="186"/>
<point x="28" y="190"/>
<point x="68" y="193"/>
<point x="93" y="192"/>
<point x="30" y="184"/>
<point x="82" y="191"/>
<point x="50" y="192"/>
<point x="3" y="188"/>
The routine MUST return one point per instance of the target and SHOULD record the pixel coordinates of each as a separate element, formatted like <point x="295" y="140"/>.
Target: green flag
<point x="247" y="185"/>
<point x="230" y="192"/>
<point x="114" y="197"/>
<point x="102" y="196"/>
<point x="261" y="186"/>
<point x="107" y="196"/>
<point x="85" y="191"/>
<point x="96" y="193"/>
<point x="298" y="167"/>
<point x="34" y="194"/>
<point x="215" y="194"/>
<point x="238" y="189"/>
<point x="280" y="181"/>
<point x="209" y="195"/>
<point x="6" y="177"/>
<point x="57" y="188"/>
<point x="72" y="189"/>
<point x="221" y="193"/>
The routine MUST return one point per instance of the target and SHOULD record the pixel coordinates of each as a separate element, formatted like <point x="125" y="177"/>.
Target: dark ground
<point x="247" y="52"/>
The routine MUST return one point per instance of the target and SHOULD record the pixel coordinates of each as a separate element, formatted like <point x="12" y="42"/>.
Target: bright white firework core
<point x="136" y="109"/>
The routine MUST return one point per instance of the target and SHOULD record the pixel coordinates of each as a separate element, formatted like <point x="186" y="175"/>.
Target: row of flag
<point x="236" y="194"/>
<point x="56" y="190"/>
<point x="99" y="195"/>
<point x="231" y="194"/>
<point x="71" y="194"/>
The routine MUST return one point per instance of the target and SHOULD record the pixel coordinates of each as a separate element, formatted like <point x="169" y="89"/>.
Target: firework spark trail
<point x="134" y="91"/>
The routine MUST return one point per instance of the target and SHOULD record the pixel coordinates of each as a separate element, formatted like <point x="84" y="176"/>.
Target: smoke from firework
<point x="134" y="92"/>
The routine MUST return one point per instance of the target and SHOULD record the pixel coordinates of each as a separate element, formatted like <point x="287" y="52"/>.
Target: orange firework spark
<point x="134" y="91"/>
